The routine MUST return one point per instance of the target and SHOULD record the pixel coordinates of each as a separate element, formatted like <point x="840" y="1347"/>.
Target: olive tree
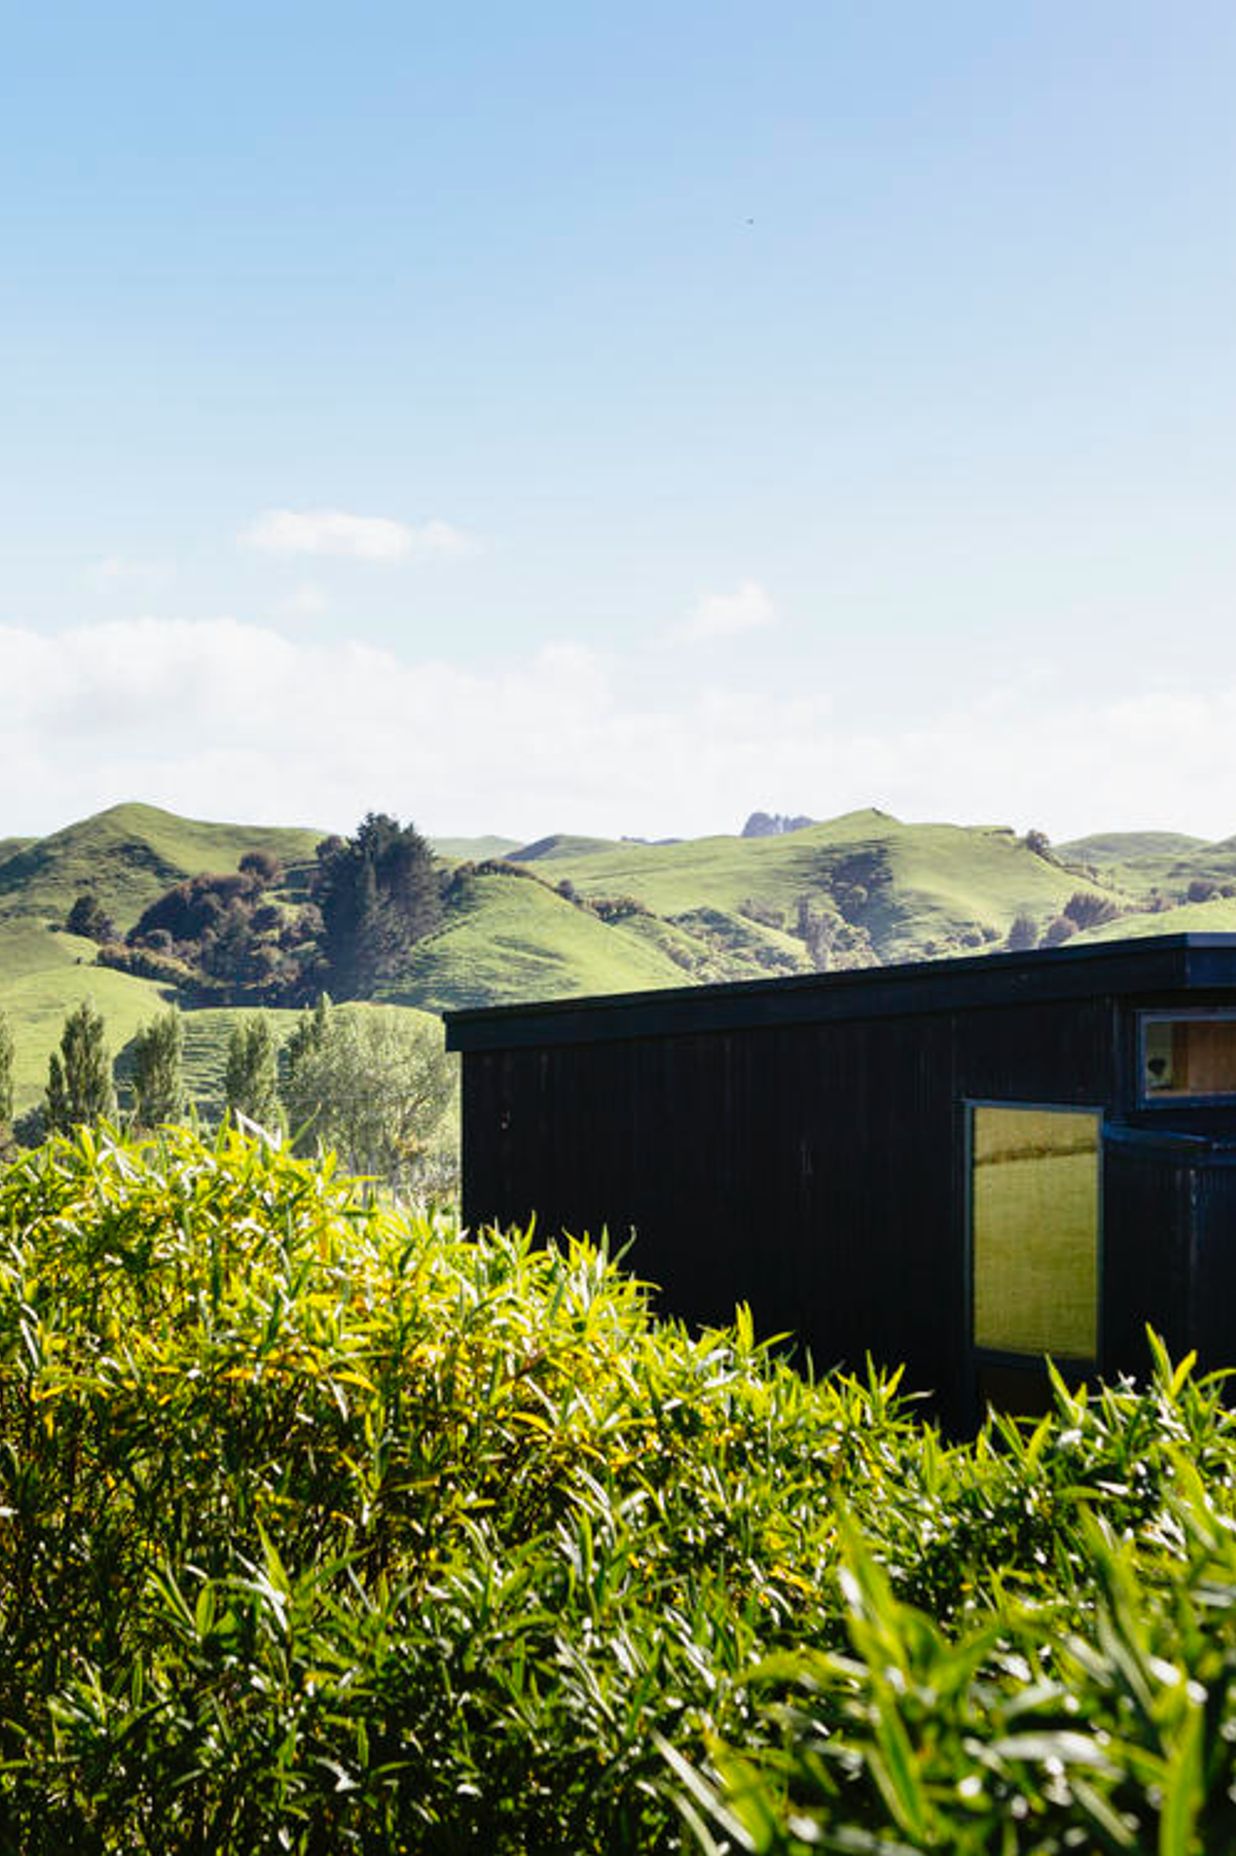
<point x="376" y="1084"/>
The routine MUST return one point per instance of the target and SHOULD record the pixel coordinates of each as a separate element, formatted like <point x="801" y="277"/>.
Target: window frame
<point x="1003" y="1356"/>
<point x="1165" y="1015"/>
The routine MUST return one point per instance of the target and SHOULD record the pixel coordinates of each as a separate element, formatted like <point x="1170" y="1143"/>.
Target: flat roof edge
<point x="1178" y="962"/>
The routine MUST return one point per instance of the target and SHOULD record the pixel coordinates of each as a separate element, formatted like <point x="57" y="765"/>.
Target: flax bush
<point x="324" y="1529"/>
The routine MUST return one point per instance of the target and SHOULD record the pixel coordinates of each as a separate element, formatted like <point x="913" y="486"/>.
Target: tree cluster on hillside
<point x="373" y="1084"/>
<point x="249" y="936"/>
<point x="231" y="933"/>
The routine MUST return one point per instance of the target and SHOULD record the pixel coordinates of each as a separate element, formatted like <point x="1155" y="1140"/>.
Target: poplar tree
<point x="158" y="1072"/>
<point x="80" y="1090"/>
<point x="6" y="1081"/>
<point x="251" y="1080"/>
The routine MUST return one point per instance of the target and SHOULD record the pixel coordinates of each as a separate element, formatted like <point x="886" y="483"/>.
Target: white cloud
<point x="725" y="615"/>
<point x="362" y="538"/>
<point x="225" y="719"/>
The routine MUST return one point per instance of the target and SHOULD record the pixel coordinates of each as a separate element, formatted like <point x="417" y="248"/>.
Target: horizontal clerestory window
<point x="1187" y="1055"/>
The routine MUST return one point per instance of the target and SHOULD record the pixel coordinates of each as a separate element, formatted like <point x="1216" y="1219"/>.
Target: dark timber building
<point x="960" y="1165"/>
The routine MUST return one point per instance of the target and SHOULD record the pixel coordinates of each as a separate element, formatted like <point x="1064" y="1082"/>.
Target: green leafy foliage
<point x="323" y="1529"/>
<point x="375" y="1085"/>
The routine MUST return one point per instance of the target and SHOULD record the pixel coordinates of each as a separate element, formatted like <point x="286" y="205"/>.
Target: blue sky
<point x="617" y="419"/>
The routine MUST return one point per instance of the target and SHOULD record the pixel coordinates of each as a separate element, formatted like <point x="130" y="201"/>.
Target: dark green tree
<point x="80" y="1090"/>
<point x="309" y="1036"/>
<point x="158" y="1072"/>
<point x="379" y="894"/>
<point x="6" y="1084"/>
<point x="251" y="1080"/>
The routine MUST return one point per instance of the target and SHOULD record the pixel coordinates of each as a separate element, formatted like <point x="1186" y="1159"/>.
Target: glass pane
<point x="1035" y="1200"/>
<point x="1190" y="1056"/>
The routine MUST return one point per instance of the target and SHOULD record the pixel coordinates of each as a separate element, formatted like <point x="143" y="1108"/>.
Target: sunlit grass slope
<point x="1120" y="847"/>
<point x="926" y="886"/>
<point x="43" y="976"/>
<point x="1140" y="862"/>
<point x="1217" y="917"/>
<point x="128" y="856"/>
<point x="511" y="938"/>
<point x="473" y="850"/>
<point x="861" y="887"/>
<point x="41" y="981"/>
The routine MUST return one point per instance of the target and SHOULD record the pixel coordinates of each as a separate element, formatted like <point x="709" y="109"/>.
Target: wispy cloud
<point x="725" y="615"/>
<point x="346" y="536"/>
<point x="181" y="713"/>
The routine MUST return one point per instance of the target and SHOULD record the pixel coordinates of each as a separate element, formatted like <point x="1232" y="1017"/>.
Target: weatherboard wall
<point x="803" y="1146"/>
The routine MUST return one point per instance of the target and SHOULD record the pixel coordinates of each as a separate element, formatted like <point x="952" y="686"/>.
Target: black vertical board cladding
<point x="802" y="1145"/>
<point x="1213" y="1312"/>
<point x="1059" y="1053"/>
<point x="1148" y="1213"/>
<point x="815" y="1171"/>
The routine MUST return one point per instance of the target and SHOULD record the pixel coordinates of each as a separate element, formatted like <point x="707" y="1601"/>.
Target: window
<point x="1187" y="1055"/>
<point x="1034" y="1196"/>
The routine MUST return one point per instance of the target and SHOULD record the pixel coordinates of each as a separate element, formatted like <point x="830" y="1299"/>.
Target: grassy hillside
<point x="568" y="915"/>
<point x="511" y="938"/>
<point x="36" y="991"/>
<point x="1217" y="917"/>
<point x="42" y="977"/>
<point x="128" y="856"/>
<point x="1122" y="847"/>
<point x="913" y="889"/>
<point x="473" y="850"/>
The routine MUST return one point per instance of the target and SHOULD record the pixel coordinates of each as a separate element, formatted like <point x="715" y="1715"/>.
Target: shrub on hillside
<point x="1087" y="910"/>
<point x="1061" y="928"/>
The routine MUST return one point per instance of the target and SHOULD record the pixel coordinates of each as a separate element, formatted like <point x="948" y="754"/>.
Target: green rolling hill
<point x="900" y="890"/>
<point x="128" y="856"/>
<point x="571" y="915"/>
